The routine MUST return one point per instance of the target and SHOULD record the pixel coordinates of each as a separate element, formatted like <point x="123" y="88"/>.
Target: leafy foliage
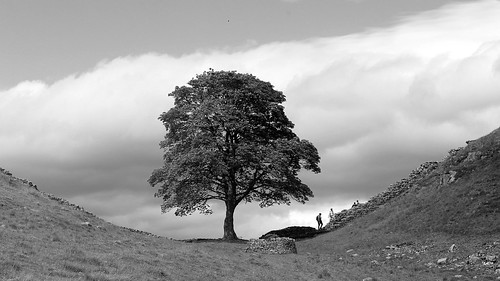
<point x="228" y="138"/>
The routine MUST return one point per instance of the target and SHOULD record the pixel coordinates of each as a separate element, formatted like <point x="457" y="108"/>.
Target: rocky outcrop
<point x="295" y="232"/>
<point x="272" y="246"/>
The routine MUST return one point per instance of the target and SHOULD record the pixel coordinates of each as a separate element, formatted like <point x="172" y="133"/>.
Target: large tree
<point x="228" y="139"/>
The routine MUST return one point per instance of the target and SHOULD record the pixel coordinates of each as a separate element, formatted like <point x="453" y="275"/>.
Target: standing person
<point x="331" y="216"/>
<point x="320" y="222"/>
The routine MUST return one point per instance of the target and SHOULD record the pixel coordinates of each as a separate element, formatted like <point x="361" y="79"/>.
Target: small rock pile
<point x="272" y="246"/>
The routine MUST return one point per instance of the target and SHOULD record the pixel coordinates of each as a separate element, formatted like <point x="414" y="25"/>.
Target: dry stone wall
<point x="450" y="169"/>
<point x="345" y="216"/>
<point x="272" y="246"/>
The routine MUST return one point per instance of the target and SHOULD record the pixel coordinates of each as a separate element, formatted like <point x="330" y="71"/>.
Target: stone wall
<point x="462" y="158"/>
<point x="272" y="246"/>
<point x="345" y="216"/>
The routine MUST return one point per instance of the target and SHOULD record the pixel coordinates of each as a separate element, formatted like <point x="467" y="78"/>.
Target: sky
<point x="378" y="86"/>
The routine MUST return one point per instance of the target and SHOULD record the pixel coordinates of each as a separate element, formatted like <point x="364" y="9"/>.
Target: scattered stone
<point x="350" y="250"/>
<point x="86" y="223"/>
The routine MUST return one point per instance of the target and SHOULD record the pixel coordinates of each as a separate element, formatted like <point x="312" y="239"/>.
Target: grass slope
<point x="458" y="204"/>
<point x="46" y="238"/>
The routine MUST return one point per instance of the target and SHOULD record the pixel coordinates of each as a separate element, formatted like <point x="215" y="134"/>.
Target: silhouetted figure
<point x="320" y="222"/>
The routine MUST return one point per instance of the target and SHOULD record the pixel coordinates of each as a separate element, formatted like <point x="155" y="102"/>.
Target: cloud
<point x="376" y="104"/>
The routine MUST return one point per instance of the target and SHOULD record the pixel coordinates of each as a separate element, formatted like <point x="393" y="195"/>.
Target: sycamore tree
<point x="228" y="139"/>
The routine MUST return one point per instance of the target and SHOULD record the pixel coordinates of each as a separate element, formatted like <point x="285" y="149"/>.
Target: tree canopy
<point x="228" y="138"/>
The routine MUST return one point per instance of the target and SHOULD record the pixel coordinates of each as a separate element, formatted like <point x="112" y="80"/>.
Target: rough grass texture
<point x="46" y="238"/>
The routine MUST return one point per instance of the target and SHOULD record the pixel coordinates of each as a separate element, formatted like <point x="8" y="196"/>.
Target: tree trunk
<point x="229" y="233"/>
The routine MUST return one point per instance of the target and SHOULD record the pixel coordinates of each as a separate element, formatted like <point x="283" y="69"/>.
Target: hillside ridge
<point x="439" y="223"/>
<point x="28" y="186"/>
<point x="459" y="163"/>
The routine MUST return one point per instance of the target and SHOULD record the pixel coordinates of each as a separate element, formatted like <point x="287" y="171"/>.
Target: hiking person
<point x="331" y="216"/>
<point x="320" y="222"/>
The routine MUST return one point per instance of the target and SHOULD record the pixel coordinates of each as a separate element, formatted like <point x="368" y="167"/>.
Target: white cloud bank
<point x="376" y="104"/>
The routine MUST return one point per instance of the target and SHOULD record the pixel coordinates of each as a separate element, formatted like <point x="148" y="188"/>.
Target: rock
<point x="295" y="232"/>
<point x="272" y="246"/>
<point x="491" y="258"/>
<point x="453" y="248"/>
<point x="269" y="236"/>
<point x="442" y="261"/>
<point x="473" y="259"/>
<point x="369" y="279"/>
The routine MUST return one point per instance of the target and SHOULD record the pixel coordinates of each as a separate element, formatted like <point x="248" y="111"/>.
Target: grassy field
<point x="44" y="239"/>
<point x="409" y="238"/>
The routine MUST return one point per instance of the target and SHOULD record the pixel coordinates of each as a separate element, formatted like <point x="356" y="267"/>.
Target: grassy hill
<point x="441" y="223"/>
<point x="418" y="219"/>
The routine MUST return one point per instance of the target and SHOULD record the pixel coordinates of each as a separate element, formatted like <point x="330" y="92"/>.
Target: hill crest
<point x="462" y="188"/>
